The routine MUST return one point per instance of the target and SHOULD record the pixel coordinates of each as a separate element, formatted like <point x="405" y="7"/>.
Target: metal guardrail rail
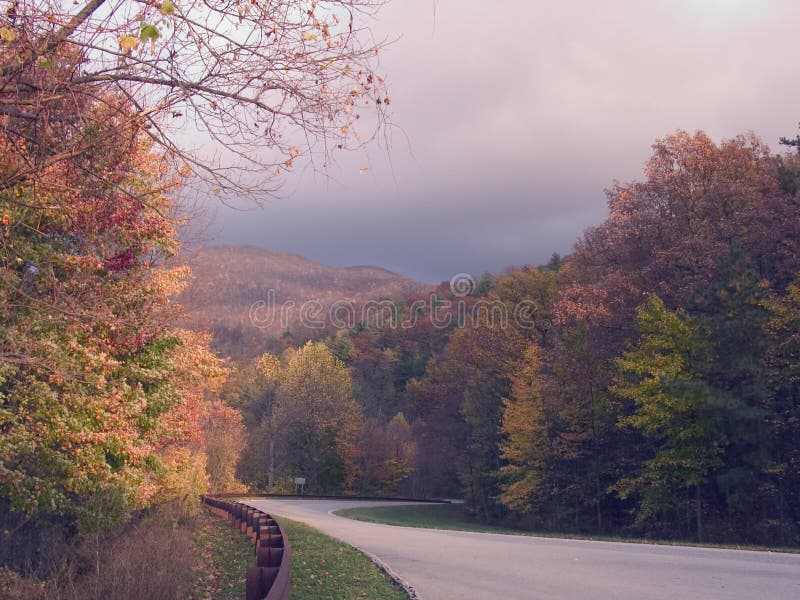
<point x="270" y="579"/>
<point x="335" y="497"/>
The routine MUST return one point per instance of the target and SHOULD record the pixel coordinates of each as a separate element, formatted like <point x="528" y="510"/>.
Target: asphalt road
<point x="453" y="565"/>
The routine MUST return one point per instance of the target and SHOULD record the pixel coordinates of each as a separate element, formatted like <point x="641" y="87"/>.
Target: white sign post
<point x="299" y="482"/>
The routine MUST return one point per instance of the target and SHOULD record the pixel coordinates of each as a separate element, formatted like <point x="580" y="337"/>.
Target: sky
<point x="512" y="118"/>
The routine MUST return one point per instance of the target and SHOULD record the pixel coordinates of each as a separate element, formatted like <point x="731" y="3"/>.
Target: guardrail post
<point x="270" y="579"/>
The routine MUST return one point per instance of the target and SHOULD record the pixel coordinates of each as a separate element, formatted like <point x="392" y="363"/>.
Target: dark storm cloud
<point x="519" y="114"/>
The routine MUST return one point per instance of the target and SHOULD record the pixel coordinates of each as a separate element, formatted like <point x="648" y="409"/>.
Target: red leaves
<point x="103" y="384"/>
<point x="118" y="262"/>
<point x="670" y="233"/>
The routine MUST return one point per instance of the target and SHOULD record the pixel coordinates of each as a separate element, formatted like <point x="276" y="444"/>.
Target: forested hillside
<point x="652" y="388"/>
<point x="228" y="281"/>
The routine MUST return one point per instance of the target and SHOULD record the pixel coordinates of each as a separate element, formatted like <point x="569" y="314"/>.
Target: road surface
<point x="454" y="565"/>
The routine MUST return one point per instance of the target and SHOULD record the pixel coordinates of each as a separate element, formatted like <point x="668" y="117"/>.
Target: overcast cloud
<point x="519" y="114"/>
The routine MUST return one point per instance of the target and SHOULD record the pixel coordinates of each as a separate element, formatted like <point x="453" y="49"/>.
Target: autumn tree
<point x="674" y="233"/>
<point x="223" y="436"/>
<point x="664" y="376"/>
<point x="782" y="484"/>
<point x="526" y="445"/>
<point x="387" y="456"/>
<point x="529" y="294"/>
<point x="316" y="420"/>
<point x="102" y="396"/>
<point x="270" y="83"/>
<point x="460" y="402"/>
<point x="559" y="383"/>
<point x="251" y="391"/>
<point x="713" y="229"/>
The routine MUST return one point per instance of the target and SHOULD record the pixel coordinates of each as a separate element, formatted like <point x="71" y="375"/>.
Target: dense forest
<point x="652" y="390"/>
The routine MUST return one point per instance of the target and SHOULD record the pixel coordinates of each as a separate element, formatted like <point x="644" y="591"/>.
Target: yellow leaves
<point x="166" y="8"/>
<point x="362" y="170"/>
<point x="7" y="35"/>
<point x="128" y="43"/>
<point x="270" y="367"/>
<point x="309" y="36"/>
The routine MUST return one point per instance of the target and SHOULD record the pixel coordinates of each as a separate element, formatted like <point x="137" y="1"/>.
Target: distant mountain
<point x="243" y="294"/>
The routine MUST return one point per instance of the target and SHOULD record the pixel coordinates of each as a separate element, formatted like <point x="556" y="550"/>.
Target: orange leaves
<point x="104" y="382"/>
<point x="224" y="436"/>
<point x="293" y="153"/>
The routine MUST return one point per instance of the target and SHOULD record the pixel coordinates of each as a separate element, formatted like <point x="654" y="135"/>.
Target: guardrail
<point x="333" y="497"/>
<point x="270" y="579"/>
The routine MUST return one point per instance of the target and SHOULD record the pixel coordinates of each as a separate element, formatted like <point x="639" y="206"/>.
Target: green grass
<point x="326" y="569"/>
<point x="454" y="517"/>
<point x="224" y="555"/>
<point x="431" y="516"/>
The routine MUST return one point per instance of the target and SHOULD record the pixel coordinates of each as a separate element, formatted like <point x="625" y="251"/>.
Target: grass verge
<point x="223" y="557"/>
<point x="454" y="517"/>
<point x="430" y="516"/>
<point x="324" y="568"/>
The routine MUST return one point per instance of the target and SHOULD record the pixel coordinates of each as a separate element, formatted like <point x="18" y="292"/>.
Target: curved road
<point x="448" y="565"/>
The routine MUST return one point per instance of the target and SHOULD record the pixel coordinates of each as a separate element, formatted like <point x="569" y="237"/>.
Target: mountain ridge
<point x="228" y="280"/>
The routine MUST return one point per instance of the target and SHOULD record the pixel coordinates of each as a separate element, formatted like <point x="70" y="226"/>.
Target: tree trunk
<point x="271" y="465"/>
<point x="599" y="512"/>
<point x="699" y="509"/>
<point x="782" y="514"/>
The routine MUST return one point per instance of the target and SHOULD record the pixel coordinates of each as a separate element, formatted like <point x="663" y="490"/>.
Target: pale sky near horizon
<point x="518" y="114"/>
